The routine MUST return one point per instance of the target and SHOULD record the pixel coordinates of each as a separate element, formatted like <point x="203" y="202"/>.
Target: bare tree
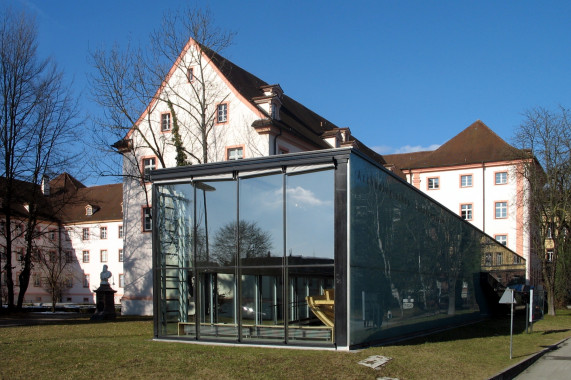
<point x="55" y="268"/>
<point x="38" y="121"/>
<point x="130" y="83"/>
<point x="253" y="242"/>
<point x="546" y="137"/>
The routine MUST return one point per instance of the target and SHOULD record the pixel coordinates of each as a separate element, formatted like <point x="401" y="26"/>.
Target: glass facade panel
<point x="217" y="305"/>
<point x="262" y="304"/>
<point x="245" y="299"/>
<point x="261" y="221"/>
<point x="412" y="264"/>
<point x="175" y="256"/>
<point x="216" y="224"/>
<point x="310" y="254"/>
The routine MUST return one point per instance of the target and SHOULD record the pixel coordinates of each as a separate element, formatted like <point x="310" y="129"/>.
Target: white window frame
<point x="501" y="210"/>
<point x="222" y="113"/>
<point x="103" y="256"/>
<point x="501" y="178"/>
<point x="466" y="211"/>
<point x="103" y="232"/>
<point x="85" y="256"/>
<point x="488" y="259"/>
<point x="148" y="164"/>
<point x="231" y="153"/>
<point x="433" y="183"/>
<point x="147" y="219"/>
<point x="85" y="233"/>
<point x="466" y="180"/>
<point x="502" y="239"/>
<point x="166" y="122"/>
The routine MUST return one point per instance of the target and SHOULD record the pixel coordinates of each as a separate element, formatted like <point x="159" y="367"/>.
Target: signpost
<point x="508" y="298"/>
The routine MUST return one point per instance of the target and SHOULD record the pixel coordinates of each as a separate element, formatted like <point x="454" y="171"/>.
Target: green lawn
<point x="124" y="350"/>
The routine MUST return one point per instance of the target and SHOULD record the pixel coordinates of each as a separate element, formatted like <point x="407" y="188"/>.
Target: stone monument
<point x="104" y="298"/>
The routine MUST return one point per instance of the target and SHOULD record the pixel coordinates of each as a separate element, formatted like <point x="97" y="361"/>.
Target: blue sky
<point x="403" y="75"/>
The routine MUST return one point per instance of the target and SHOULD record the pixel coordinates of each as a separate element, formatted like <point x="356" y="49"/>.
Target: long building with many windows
<point x="477" y="175"/>
<point x="84" y="223"/>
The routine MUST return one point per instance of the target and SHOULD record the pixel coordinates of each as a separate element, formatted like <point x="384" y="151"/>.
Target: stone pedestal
<point x="104" y="303"/>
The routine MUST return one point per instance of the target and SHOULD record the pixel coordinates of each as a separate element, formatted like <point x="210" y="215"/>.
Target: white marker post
<point x="531" y="309"/>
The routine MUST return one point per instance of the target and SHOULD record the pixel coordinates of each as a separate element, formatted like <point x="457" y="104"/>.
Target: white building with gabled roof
<point x="477" y="175"/>
<point x="247" y="118"/>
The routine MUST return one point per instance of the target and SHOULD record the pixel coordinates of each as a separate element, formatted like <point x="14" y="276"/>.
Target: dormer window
<point x="88" y="210"/>
<point x="270" y="102"/>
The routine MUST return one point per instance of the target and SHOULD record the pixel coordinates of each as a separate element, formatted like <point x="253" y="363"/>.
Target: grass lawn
<point x="124" y="349"/>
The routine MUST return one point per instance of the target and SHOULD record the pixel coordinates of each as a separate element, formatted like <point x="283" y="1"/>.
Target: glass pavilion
<point x="322" y="248"/>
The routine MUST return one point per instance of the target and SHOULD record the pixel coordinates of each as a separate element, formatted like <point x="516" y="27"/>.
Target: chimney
<point x="45" y="185"/>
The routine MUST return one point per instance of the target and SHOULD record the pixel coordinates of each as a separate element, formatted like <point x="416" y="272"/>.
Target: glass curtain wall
<point x="413" y="264"/>
<point x="310" y="254"/>
<point x="216" y="259"/>
<point x="176" y="299"/>
<point x="238" y="259"/>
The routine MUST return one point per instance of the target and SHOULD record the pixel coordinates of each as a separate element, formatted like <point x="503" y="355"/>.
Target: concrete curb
<point x="516" y="369"/>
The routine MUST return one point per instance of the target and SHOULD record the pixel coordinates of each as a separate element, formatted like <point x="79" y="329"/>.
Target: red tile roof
<point x="475" y="144"/>
<point x="106" y="201"/>
<point x="67" y="200"/>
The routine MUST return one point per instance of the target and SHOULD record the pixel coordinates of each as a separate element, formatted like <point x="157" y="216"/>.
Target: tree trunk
<point x="550" y="299"/>
<point x="54" y="301"/>
<point x="452" y="296"/>
<point x="8" y="266"/>
<point x="24" y="282"/>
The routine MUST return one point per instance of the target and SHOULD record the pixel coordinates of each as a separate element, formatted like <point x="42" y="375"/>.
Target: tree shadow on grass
<point x="22" y="319"/>
<point x="492" y="327"/>
<point x="546" y="332"/>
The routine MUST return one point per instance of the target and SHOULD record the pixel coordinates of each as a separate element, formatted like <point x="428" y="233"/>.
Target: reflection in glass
<point x="262" y="305"/>
<point x="411" y="260"/>
<point x="216" y="223"/>
<point x="309" y="204"/>
<point x="261" y="221"/>
<point x="218" y="305"/>
<point x="175" y="252"/>
<point x="310" y="255"/>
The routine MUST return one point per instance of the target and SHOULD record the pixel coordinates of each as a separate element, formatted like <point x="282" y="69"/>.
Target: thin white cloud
<point x="303" y="197"/>
<point x="385" y="149"/>
<point x="416" y="148"/>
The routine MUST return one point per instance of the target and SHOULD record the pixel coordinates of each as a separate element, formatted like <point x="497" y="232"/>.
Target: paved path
<point x="554" y="365"/>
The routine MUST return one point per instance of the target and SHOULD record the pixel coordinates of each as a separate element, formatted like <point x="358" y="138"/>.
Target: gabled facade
<point x="251" y="118"/>
<point x="477" y="175"/>
<point x="84" y="223"/>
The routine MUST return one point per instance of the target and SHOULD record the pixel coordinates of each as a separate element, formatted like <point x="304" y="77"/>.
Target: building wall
<point x="236" y="132"/>
<point x="70" y="236"/>
<point x="82" y="290"/>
